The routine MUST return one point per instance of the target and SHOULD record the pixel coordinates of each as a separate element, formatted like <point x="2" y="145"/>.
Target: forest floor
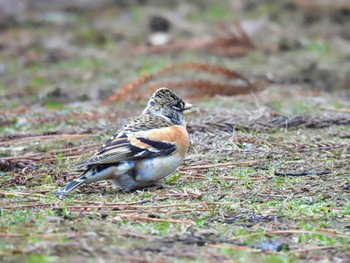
<point x="266" y="178"/>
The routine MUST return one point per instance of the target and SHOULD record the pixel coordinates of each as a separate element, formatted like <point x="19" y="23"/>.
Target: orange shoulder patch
<point x="176" y="134"/>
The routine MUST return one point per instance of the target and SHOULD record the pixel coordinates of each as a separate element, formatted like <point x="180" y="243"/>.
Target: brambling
<point x="147" y="149"/>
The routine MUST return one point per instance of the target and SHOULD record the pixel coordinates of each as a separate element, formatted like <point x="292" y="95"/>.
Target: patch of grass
<point x="276" y="259"/>
<point x="80" y="63"/>
<point x="318" y="47"/>
<point x="151" y="65"/>
<point x="54" y="105"/>
<point x="172" y="179"/>
<point x="346" y="208"/>
<point x="137" y="13"/>
<point x="37" y="82"/>
<point x="2" y="87"/>
<point x="216" y="11"/>
<point x="34" y="258"/>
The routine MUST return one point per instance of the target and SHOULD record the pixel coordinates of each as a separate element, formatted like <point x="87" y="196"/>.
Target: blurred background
<point x="58" y="52"/>
<point x="271" y="79"/>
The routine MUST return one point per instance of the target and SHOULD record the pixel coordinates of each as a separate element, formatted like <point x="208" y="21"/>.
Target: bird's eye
<point x="178" y="106"/>
<point x="152" y="103"/>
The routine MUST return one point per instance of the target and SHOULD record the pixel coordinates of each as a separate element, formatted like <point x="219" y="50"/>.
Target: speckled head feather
<point x="166" y="104"/>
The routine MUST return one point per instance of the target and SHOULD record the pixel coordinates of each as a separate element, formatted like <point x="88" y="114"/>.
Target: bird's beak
<point x="189" y="108"/>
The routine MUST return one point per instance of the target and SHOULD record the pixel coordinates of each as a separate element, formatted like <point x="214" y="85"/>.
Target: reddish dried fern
<point x="204" y="87"/>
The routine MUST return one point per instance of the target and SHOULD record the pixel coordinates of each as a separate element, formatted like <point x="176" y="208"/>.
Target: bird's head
<point x="165" y="103"/>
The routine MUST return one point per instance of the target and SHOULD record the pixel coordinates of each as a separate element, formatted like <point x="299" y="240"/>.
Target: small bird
<point x="160" y="31"/>
<point x="147" y="149"/>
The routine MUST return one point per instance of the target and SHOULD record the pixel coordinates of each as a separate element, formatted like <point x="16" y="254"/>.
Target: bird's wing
<point x="144" y="137"/>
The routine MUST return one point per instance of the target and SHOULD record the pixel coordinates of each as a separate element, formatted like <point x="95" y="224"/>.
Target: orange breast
<point x="176" y="134"/>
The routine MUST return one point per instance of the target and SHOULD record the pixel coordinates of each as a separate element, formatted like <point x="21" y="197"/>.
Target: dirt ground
<point x="267" y="175"/>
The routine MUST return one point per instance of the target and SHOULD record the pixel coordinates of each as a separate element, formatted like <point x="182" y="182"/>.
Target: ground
<point x="266" y="178"/>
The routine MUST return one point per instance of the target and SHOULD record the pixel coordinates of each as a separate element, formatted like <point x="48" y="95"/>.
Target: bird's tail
<point x="71" y="185"/>
<point x="89" y="176"/>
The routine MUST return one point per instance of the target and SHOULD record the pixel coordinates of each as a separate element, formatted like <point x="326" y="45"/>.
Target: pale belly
<point x="152" y="170"/>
